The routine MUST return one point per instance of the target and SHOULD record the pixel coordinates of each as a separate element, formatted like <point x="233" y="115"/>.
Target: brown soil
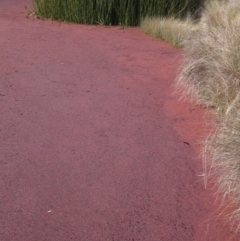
<point x="93" y="146"/>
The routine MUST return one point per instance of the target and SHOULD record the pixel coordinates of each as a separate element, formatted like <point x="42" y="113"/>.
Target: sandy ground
<point x="93" y="146"/>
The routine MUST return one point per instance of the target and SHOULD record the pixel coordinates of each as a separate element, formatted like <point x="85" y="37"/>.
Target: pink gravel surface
<point x="93" y="146"/>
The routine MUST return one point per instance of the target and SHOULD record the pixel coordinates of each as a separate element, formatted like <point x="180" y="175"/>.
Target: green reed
<point x="113" y="12"/>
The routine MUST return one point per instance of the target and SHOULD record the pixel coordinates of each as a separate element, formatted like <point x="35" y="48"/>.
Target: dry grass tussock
<point x="169" y="29"/>
<point x="211" y="72"/>
<point x="224" y="153"/>
<point x="211" y="76"/>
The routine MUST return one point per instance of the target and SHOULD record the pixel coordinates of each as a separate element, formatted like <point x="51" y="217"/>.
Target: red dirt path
<point x="92" y="144"/>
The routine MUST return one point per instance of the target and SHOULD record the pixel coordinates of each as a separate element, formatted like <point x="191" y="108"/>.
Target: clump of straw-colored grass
<point x="171" y="30"/>
<point x="224" y="153"/>
<point x="211" y="72"/>
<point x="211" y="76"/>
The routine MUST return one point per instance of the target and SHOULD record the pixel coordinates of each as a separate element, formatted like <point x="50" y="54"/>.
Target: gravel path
<point x="93" y="146"/>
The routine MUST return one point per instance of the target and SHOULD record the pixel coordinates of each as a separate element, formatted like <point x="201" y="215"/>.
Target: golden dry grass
<point x="224" y="154"/>
<point x="210" y="76"/>
<point x="212" y="66"/>
<point x="170" y="30"/>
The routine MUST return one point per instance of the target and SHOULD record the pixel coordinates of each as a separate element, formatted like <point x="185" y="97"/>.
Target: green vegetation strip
<point x="112" y="12"/>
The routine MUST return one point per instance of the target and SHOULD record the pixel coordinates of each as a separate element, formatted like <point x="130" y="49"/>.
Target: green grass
<point x="112" y="12"/>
